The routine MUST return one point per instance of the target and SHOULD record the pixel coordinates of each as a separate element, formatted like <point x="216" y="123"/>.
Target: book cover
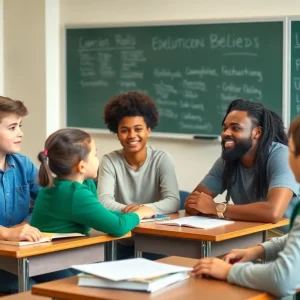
<point x="48" y="237"/>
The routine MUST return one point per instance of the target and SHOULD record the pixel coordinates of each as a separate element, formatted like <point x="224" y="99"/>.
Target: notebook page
<point x="197" y="222"/>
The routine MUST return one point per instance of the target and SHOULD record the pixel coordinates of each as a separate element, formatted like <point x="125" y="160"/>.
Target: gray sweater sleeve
<point x="106" y="185"/>
<point x="279" y="277"/>
<point x="169" y="202"/>
<point x="274" y="246"/>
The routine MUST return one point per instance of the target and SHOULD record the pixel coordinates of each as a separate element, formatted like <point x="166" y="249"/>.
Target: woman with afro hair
<point x="137" y="174"/>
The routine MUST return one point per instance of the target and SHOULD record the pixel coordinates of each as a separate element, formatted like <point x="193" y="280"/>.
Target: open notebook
<point x="197" y="222"/>
<point x="48" y="237"/>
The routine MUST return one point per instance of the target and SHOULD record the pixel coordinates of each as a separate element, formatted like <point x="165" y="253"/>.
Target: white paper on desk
<point x="129" y="269"/>
<point x="197" y="222"/>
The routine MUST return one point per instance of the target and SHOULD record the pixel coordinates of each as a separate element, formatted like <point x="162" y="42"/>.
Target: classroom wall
<point x="24" y="51"/>
<point x="24" y="66"/>
<point x="192" y="158"/>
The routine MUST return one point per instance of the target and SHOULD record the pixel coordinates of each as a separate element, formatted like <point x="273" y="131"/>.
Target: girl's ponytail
<point x="45" y="174"/>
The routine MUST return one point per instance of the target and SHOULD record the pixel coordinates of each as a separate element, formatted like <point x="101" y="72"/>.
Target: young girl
<point x="278" y="277"/>
<point x="68" y="203"/>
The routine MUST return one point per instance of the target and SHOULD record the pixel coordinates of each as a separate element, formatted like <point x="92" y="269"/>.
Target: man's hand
<point x="201" y="202"/>
<point x="23" y="232"/>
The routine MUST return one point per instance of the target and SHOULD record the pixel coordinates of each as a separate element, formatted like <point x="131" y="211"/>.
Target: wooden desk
<point x="24" y="296"/>
<point x="37" y="259"/>
<point x="192" y="288"/>
<point x="196" y="243"/>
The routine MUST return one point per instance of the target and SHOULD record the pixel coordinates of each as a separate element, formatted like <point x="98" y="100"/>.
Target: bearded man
<point x="253" y="169"/>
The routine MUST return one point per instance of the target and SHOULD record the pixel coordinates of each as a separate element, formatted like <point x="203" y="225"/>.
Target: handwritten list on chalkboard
<point x="295" y="69"/>
<point x="192" y="71"/>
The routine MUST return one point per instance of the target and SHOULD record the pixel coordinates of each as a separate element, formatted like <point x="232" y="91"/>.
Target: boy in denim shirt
<point x="18" y="187"/>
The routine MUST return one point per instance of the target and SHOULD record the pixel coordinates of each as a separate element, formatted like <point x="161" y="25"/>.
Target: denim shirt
<point x="18" y="190"/>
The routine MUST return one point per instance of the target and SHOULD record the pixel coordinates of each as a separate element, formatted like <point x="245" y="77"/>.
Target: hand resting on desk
<point x="141" y="210"/>
<point x="201" y="202"/>
<point x="219" y="268"/>
<point x="23" y="232"/>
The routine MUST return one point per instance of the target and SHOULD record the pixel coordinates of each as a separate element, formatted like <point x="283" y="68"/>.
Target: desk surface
<point x="221" y="233"/>
<point x="192" y="288"/>
<point x="57" y="245"/>
<point x="24" y="296"/>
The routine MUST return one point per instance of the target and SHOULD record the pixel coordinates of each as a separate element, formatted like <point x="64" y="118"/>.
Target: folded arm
<point x="88" y="211"/>
<point x="270" y="211"/>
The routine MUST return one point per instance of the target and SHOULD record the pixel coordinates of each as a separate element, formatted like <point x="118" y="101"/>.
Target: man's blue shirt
<point x="279" y="175"/>
<point x="18" y="190"/>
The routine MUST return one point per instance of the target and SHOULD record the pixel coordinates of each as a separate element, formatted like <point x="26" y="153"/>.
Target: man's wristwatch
<point x="221" y="208"/>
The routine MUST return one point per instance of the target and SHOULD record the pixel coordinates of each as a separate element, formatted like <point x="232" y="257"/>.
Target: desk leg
<point x="23" y="274"/>
<point x="111" y="251"/>
<point x="138" y="254"/>
<point x="265" y="234"/>
<point x="205" y="249"/>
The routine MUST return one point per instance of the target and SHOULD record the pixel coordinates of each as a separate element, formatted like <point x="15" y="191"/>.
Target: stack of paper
<point x="131" y="274"/>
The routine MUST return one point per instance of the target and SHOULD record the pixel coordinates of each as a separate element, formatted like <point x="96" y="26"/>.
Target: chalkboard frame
<point x="290" y="19"/>
<point x="286" y="21"/>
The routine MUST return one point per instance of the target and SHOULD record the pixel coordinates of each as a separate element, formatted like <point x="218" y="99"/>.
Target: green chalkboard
<point x="295" y="69"/>
<point x="192" y="71"/>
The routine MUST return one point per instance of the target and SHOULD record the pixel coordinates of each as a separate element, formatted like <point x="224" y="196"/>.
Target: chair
<point x="183" y="195"/>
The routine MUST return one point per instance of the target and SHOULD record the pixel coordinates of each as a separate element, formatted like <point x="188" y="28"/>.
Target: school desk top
<point x="192" y="288"/>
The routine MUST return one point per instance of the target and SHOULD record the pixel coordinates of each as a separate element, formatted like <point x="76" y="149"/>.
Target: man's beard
<point x="238" y="151"/>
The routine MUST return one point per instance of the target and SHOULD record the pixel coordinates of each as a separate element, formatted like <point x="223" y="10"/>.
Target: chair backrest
<point x="183" y="195"/>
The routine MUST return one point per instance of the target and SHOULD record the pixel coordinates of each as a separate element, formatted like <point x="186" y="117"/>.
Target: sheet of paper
<point x="129" y="269"/>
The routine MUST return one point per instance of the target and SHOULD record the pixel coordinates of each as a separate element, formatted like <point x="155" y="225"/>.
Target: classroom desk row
<point x="196" y="243"/>
<point x="192" y="288"/>
<point x="37" y="259"/>
<point x="28" y="261"/>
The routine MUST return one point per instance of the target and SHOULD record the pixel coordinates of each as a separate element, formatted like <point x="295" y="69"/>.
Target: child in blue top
<point x="18" y="189"/>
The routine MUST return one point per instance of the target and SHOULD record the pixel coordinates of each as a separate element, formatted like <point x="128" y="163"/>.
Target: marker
<point x="206" y="137"/>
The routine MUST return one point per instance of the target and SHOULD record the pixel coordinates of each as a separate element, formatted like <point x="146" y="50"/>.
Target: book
<point x="48" y="237"/>
<point x="158" y="217"/>
<point x="130" y="269"/>
<point x="197" y="222"/>
<point x="143" y="284"/>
